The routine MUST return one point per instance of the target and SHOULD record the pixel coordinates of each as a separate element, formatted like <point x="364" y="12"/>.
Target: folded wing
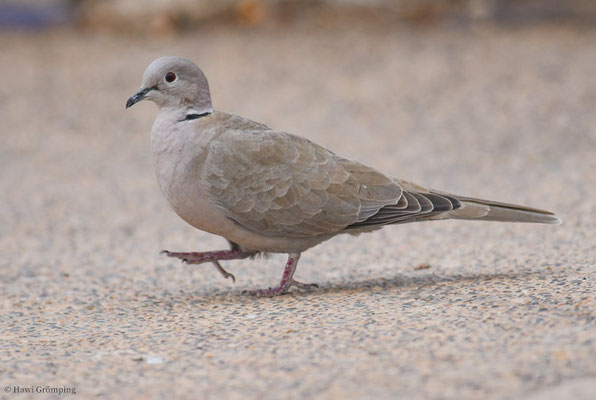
<point x="275" y="183"/>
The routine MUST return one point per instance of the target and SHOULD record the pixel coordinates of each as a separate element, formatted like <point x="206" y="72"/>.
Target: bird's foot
<point x="208" y="256"/>
<point x="287" y="281"/>
<point x="212" y="257"/>
<point x="281" y="289"/>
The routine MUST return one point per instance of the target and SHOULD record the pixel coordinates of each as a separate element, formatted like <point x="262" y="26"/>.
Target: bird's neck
<point x="175" y="127"/>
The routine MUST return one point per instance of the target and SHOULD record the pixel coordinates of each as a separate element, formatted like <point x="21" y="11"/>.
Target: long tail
<point x="488" y="210"/>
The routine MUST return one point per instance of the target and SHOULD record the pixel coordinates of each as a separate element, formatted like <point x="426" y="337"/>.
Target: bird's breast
<point x="178" y="155"/>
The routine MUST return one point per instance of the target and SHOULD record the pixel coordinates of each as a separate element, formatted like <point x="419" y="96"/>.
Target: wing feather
<point x="274" y="183"/>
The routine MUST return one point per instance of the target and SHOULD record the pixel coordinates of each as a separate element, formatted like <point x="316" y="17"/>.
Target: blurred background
<point x="162" y="16"/>
<point x="487" y="98"/>
<point x="405" y="85"/>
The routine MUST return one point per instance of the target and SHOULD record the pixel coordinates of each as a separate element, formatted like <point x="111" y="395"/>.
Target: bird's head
<point x="174" y="82"/>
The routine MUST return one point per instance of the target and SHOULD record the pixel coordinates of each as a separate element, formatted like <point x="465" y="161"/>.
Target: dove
<point x="268" y="191"/>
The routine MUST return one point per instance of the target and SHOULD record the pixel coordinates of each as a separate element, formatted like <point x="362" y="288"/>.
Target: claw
<point x="304" y="286"/>
<point x="222" y="271"/>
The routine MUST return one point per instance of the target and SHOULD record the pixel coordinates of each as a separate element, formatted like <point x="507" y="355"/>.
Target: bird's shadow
<point x="396" y="281"/>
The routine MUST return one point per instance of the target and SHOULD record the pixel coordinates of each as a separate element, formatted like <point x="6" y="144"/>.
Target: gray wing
<point x="274" y="183"/>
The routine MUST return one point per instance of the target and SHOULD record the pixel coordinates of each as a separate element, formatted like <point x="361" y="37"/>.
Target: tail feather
<point x="434" y="205"/>
<point x="488" y="210"/>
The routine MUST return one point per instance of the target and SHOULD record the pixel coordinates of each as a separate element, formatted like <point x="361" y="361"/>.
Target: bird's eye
<point x="170" y="77"/>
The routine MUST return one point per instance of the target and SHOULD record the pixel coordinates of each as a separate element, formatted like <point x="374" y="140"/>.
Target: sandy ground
<point x="504" y="311"/>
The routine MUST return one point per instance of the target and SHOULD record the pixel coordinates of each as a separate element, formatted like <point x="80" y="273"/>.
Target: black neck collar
<point x="194" y="115"/>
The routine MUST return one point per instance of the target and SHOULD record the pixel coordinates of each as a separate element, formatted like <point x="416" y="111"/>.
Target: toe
<point x="305" y="286"/>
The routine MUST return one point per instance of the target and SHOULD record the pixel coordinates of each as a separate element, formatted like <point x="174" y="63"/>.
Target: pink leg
<point x="199" y="258"/>
<point x="287" y="280"/>
<point x="212" y="257"/>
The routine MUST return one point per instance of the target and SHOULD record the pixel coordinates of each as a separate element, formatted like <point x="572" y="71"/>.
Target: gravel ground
<point x="503" y="311"/>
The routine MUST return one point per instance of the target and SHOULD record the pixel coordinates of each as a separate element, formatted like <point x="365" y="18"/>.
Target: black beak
<point x="138" y="96"/>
